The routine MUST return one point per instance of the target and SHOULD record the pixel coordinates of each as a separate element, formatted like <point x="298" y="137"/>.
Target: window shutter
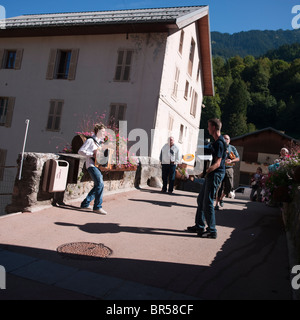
<point x="2" y="162"/>
<point x="10" y="111"/>
<point x="51" y="64"/>
<point x="121" y="113"/>
<point x="2" y="51"/>
<point x="73" y="64"/>
<point x="19" y="56"/>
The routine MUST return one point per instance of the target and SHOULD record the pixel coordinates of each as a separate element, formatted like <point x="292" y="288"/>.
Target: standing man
<point x="90" y="149"/>
<point x="232" y="157"/>
<point x="214" y="175"/>
<point x="169" y="157"/>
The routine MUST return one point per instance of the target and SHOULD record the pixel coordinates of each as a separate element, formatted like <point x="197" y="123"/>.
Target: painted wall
<point x="179" y="107"/>
<point x="92" y="91"/>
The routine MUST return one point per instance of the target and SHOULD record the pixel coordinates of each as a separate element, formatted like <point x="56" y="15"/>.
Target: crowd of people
<point x="217" y="182"/>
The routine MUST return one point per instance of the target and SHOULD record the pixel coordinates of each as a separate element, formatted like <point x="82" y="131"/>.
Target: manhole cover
<point x="84" y="250"/>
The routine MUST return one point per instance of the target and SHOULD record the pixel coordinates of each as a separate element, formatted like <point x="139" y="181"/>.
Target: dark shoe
<point x="222" y="203"/>
<point x="200" y="233"/>
<point x="170" y="192"/>
<point x="217" y="208"/>
<point x="163" y="191"/>
<point x="208" y="235"/>
<point x="193" y="229"/>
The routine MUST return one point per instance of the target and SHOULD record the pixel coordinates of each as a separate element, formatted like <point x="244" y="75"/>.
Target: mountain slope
<point x="253" y="42"/>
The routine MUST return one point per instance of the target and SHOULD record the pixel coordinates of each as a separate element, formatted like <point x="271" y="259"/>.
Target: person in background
<point x="90" y="149"/>
<point x="256" y="185"/>
<point x="232" y="157"/>
<point x="169" y="157"/>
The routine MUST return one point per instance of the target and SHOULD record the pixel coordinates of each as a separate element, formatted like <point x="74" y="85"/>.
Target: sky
<point x="228" y="16"/>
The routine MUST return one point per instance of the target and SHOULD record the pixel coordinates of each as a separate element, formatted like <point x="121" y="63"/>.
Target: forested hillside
<point x="255" y="93"/>
<point x="255" y="42"/>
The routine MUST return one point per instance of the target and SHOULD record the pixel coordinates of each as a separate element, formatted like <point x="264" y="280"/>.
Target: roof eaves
<point x="191" y="17"/>
<point x="263" y="130"/>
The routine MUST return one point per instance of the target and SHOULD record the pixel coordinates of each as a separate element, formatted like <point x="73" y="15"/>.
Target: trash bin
<point x="55" y="175"/>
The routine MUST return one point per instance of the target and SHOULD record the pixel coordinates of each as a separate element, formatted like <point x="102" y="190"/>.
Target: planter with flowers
<point x="282" y="182"/>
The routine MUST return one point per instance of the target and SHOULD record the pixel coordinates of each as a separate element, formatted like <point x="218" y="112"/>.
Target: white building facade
<point x="150" y="68"/>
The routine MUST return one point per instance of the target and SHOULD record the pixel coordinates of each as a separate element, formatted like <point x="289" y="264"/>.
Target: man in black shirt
<point x="214" y="175"/>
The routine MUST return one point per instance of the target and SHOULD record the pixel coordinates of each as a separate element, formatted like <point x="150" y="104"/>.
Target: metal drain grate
<point x="85" y="250"/>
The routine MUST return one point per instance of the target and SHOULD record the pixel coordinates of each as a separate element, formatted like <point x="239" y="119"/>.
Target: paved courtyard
<point x="153" y="257"/>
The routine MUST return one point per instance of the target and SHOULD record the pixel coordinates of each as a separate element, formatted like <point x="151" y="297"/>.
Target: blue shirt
<point x="219" y="148"/>
<point x="231" y="149"/>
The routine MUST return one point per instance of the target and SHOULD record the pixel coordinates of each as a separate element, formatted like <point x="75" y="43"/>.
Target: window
<point x="191" y="57"/>
<point x="54" y="116"/>
<point x="181" y="133"/>
<point x="181" y="42"/>
<point x="176" y="81"/>
<point x="194" y="104"/>
<point x="6" y="110"/>
<point x="62" y="64"/>
<point x="198" y="71"/>
<point x="170" y="124"/>
<point x="123" y="67"/>
<point x="11" y="59"/>
<point x="186" y="91"/>
<point x="116" y="114"/>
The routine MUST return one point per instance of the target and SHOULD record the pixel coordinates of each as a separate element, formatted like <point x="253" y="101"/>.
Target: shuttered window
<point x="11" y="58"/>
<point x="191" y="57"/>
<point x="6" y="111"/>
<point x="54" y="116"/>
<point x="116" y="114"/>
<point x="181" y="41"/>
<point x="176" y="81"/>
<point x="62" y="64"/>
<point x="123" y="67"/>
<point x="194" y="104"/>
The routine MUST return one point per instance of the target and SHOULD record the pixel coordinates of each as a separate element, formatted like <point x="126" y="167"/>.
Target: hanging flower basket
<point x="281" y="194"/>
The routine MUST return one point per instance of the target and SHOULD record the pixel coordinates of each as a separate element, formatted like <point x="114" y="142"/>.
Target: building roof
<point x="157" y="15"/>
<point x="282" y="134"/>
<point x="119" y="22"/>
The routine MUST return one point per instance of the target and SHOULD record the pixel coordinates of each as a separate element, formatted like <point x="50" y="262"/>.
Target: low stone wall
<point x="28" y="194"/>
<point x="291" y="217"/>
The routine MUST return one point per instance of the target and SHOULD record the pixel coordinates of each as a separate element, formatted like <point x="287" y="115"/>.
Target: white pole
<point x="25" y="138"/>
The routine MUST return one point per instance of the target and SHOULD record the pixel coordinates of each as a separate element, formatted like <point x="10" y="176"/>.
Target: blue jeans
<point x="168" y="174"/>
<point x="205" y="200"/>
<point x="97" y="192"/>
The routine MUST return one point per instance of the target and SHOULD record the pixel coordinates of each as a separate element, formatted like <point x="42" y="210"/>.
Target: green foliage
<point x="256" y="43"/>
<point x="254" y="93"/>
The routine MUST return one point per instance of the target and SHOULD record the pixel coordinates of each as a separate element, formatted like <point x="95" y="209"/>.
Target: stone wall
<point x="291" y="217"/>
<point x="28" y="194"/>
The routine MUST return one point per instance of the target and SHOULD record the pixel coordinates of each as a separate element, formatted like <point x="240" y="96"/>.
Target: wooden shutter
<point x="121" y="112"/>
<point x="18" y="61"/>
<point x="51" y="64"/>
<point x="2" y="51"/>
<point x="2" y="162"/>
<point x="10" y="111"/>
<point x="73" y="64"/>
